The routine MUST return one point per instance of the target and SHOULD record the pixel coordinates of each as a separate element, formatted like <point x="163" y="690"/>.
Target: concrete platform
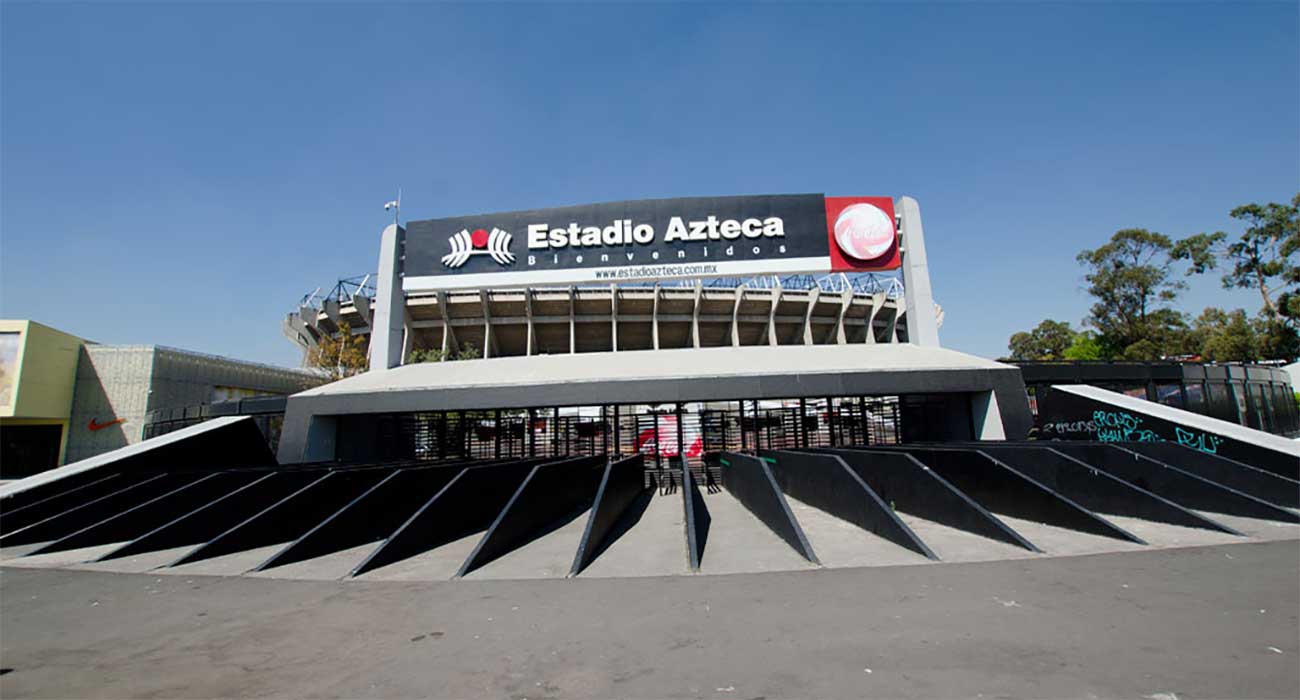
<point x="651" y="542"/>
<point x="334" y="565"/>
<point x="139" y="563"/>
<point x="840" y="543"/>
<point x="1059" y="541"/>
<point x="227" y="565"/>
<point x="438" y="564"/>
<point x="1256" y="528"/>
<point x="67" y="557"/>
<point x="738" y="542"/>
<point x="21" y="550"/>
<point x="953" y="545"/>
<point x="1197" y="622"/>
<point x="549" y="556"/>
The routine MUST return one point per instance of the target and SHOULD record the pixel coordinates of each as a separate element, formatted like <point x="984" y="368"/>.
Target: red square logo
<point x="862" y="234"/>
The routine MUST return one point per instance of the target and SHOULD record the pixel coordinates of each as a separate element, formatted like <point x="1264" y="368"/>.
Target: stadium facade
<point x="605" y="376"/>
<point x="689" y="307"/>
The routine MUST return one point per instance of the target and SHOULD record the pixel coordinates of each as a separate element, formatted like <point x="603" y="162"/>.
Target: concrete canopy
<point x="653" y="377"/>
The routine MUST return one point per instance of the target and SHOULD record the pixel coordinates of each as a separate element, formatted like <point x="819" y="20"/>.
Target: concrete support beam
<point x="389" y="326"/>
<point x="361" y="303"/>
<point x="846" y="298"/>
<point x="489" y="338"/>
<point x="695" y="313"/>
<point x="771" y="317"/>
<point x="613" y="326"/>
<point x="449" y="344"/>
<point x="877" y="300"/>
<point x="986" y="416"/>
<point x="654" y="322"/>
<point x="531" y="348"/>
<point x="573" y="330"/>
<point x="331" y="309"/>
<point x="735" y="316"/>
<point x="408" y="337"/>
<point x="807" y="319"/>
<point x="922" y="326"/>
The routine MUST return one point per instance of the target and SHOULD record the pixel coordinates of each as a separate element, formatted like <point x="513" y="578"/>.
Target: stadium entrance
<point x="667" y="435"/>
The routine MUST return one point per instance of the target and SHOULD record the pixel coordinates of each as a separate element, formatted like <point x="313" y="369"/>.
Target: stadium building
<point x="743" y="355"/>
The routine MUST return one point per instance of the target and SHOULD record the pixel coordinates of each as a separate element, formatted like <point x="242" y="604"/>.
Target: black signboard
<point x="627" y="241"/>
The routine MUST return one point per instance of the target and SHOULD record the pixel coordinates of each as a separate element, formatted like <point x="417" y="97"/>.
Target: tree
<point x="1277" y="340"/>
<point x="1132" y="279"/>
<point x="466" y="352"/>
<point x="1087" y="346"/>
<point x="1225" y="336"/>
<point x="341" y="355"/>
<point x="1263" y="258"/>
<point x="1048" y="341"/>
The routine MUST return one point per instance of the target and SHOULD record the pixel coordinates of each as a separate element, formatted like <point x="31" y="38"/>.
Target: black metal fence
<point x="1256" y="396"/>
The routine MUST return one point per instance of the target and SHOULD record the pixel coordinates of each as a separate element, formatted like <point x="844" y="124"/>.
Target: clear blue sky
<point x="183" y="173"/>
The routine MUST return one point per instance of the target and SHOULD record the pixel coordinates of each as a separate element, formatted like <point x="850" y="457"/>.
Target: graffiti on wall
<point x="1122" y="426"/>
<point x="1066" y="427"/>
<point x="1199" y="441"/>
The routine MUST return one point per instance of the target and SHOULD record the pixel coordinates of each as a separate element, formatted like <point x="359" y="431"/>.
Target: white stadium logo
<point x="481" y="242"/>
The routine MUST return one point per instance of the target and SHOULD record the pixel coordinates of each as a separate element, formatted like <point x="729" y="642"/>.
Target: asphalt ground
<point x="1193" y="622"/>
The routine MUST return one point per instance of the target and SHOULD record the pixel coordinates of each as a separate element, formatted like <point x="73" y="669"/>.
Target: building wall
<point x="182" y="378"/>
<point x="38" y="367"/>
<point x="113" y="383"/>
<point x="44" y="371"/>
<point x="127" y="382"/>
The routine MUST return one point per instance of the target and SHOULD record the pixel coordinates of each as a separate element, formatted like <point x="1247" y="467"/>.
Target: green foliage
<point x="1262" y="258"/>
<point x="1225" y="336"/>
<point x="1048" y="341"/>
<point x="1132" y="279"/>
<point x="1134" y="282"/>
<point x="1086" y="345"/>
<point x="466" y="352"/>
<point x="341" y="355"/>
<point x="1277" y="340"/>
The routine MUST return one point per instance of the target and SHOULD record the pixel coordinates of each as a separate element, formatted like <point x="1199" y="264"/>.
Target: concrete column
<point x="654" y="319"/>
<point x="986" y="416"/>
<point x="531" y="349"/>
<point x="877" y="300"/>
<point x="449" y="343"/>
<point x="846" y="302"/>
<point x="390" y="303"/>
<point x="408" y="336"/>
<point x="735" y="317"/>
<point x="695" y="315"/>
<point x="573" y="324"/>
<point x="361" y="303"/>
<point x="807" y="319"/>
<point x="613" y="326"/>
<point x="771" y="317"/>
<point x="922" y="327"/>
<point x="489" y="340"/>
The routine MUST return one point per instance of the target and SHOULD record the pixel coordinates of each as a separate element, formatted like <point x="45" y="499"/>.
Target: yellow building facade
<point x="38" y="373"/>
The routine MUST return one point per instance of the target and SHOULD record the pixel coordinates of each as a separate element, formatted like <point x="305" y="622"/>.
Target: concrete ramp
<point x="1081" y="412"/>
<point x="552" y="517"/>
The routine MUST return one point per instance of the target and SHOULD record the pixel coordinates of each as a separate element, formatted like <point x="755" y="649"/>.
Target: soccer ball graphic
<point x="864" y="232"/>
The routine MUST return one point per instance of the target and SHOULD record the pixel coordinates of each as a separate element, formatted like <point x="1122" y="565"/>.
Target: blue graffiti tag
<point x="1202" y="441"/>
<point x="1120" y="426"/>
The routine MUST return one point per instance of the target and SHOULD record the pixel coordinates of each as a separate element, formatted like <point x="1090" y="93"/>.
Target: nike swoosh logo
<point x="93" y="425"/>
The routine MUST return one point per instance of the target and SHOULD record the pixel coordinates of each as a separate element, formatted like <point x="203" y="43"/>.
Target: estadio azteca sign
<point x="653" y="239"/>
